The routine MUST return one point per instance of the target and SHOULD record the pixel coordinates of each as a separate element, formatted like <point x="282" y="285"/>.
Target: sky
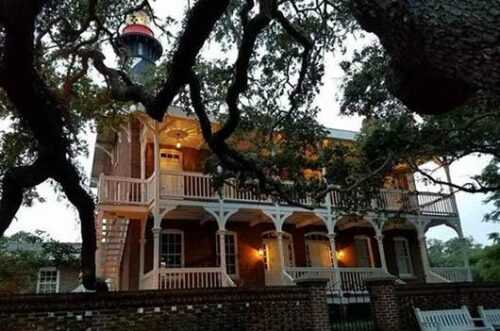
<point x="60" y="220"/>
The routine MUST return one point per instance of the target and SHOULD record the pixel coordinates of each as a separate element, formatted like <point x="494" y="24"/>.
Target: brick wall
<point x="393" y="305"/>
<point x="301" y="308"/>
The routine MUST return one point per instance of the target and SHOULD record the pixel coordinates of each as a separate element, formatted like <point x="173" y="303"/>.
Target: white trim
<point x="174" y="231"/>
<point x="370" y="250"/>
<point x="48" y="269"/>
<point x="236" y="251"/>
<point x="406" y="243"/>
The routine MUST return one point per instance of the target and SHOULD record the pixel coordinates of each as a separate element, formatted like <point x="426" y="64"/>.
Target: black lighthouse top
<point x="143" y="49"/>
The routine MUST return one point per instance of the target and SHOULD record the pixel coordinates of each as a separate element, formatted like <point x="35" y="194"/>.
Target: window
<point x="364" y="253"/>
<point x="48" y="280"/>
<point x="403" y="257"/>
<point x="231" y="253"/>
<point x="318" y="250"/>
<point x="270" y="243"/>
<point x="172" y="248"/>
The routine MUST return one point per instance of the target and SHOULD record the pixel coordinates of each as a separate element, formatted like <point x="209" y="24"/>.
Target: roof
<point x="13" y="246"/>
<point x="342" y="134"/>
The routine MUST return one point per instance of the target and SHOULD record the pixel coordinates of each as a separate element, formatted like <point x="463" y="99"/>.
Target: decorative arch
<point x="285" y="217"/>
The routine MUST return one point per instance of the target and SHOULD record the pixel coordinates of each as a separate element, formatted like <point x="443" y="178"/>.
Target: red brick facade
<point x="393" y="305"/>
<point x="302" y="308"/>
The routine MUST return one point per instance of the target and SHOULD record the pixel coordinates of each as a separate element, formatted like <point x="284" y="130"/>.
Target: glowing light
<point x="260" y="252"/>
<point x="178" y="145"/>
<point x="340" y="255"/>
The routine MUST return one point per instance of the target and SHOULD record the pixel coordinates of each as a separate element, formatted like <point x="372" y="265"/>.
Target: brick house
<point x="51" y="277"/>
<point x="160" y="224"/>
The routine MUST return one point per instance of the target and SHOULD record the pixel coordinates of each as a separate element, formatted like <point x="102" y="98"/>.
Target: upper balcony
<point x="197" y="187"/>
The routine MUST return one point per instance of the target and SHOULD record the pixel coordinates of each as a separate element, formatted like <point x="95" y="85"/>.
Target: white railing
<point x="353" y="279"/>
<point x="345" y="280"/>
<point x="436" y="204"/>
<point x="123" y="190"/>
<point x="187" y="278"/>
<point x="197" y="186"/>
<point x="397" y="200"/>
<point x="453" y="274"/>
<point x="189" y="185"/>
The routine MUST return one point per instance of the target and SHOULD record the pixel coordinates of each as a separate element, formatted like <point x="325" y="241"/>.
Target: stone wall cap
<point x="389" y="279"/>
<point x="316" y="281"/>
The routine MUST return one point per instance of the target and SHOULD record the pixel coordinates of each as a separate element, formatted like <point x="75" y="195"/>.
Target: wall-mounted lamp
<point x="340" y="254"/>
<point x="260" y="252"/>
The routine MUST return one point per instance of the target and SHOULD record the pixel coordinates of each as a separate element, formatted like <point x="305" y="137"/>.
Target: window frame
<point x="47" y="269"/>
<point x="272" y="234"/>
<point x="406" y="244"/>
<point x="236" y="255"/>
<point x="173" y="231"/>
<point x="316" y="236"/>
<point x="371" y="257"/>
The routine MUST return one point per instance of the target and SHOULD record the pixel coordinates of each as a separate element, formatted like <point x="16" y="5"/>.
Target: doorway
<point x="172" y="180"/>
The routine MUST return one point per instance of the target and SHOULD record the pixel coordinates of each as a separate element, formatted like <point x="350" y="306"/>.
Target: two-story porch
<point x="162" y="225"/>
<point x="266" y="244"/>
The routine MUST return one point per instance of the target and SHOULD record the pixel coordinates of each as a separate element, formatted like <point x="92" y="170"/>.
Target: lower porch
<point x="184" y="252"/>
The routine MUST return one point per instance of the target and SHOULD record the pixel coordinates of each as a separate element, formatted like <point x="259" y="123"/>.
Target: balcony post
<point x="222" y="254"/>
<point x="423" y="253"/>
<point x="279" y="235"/>
<point x="335" y="263"/>
<point x="452" y="194"/>
<point x="156" y="256"/>
<point x="465" y="254"/>
<point x="156" y="136"/>
<point x="333" y="248"/>
<point x="380" y="243"/>
<point x="142" y="242"/>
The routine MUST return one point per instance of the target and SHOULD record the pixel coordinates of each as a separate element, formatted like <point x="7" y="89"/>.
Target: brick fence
<point x="300" y="308"/>
<point x="393" y="304"/>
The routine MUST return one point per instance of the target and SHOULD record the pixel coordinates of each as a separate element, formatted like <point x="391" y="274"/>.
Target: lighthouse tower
<point x="142" y="48"/>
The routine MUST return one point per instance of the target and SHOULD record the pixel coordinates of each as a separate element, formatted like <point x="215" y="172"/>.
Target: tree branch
<point x="200" y="23"/>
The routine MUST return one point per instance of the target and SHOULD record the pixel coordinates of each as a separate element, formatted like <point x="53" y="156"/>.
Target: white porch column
<point x="380" y="243"/>
<point x="156" y="140"/>
<point x="279" y="234"/>
<point x="466" y="255"/>
<point x="422" y="243"/>
<point x="335" y="264"/>
<point x="142" y="242"/>
<point x="459" y="230"/>
<point x="222" y="253"/>
<point x="143" y="160"/>
<point x="333" y="248"/>
<point x="156" y="256"/>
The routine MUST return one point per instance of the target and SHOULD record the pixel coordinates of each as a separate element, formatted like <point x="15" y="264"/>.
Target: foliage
<point x="484" y="259"/>
<point x="391" y="128"/>
<point x="27" y="253"/>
